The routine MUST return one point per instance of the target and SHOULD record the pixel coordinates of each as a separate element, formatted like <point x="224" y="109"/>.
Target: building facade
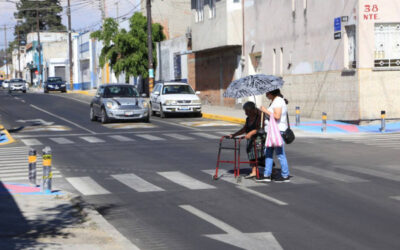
<point x="216" y="40"/>
<point x="338" y="57"/>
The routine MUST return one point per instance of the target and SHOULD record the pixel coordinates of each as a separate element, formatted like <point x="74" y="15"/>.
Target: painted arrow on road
<point x="37" y="121"/>
<point x="254" y="241"/>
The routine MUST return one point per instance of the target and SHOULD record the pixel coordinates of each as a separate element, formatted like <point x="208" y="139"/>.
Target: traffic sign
<point x="338" y="24"/>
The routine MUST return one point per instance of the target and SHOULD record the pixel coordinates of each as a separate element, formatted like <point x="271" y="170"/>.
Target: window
<point x="177" y="90"/>
<point x="256" y="62"/>
<point x="212" y="9"/>
<point x="387" y="45"/>
<point x="177" y="67"/>
<point x="199" y="11"/>
<point x="350" y="41"/>
<point x="281" y="63"/>
<point x="294" y="8"/>
<point x="274" y="61"/>
<point x="305" y="6"/>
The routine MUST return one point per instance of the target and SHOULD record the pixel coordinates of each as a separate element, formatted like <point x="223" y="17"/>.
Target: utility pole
<point x="39" y="48"/>
<point x="71" y="74"/>
<point x="150" y="46"/>
<point x="117" y="5"/>
<point x="19" y="75"/>
<point x="103" y="9"/>
<point x="5" y="50"/>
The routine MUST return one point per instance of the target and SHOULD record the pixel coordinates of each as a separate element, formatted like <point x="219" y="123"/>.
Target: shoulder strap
<point x="288" y="122"/>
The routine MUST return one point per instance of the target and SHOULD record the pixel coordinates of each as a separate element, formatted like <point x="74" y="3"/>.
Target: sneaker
<point x="282" y="179"/>
<point x="264" y="179"/>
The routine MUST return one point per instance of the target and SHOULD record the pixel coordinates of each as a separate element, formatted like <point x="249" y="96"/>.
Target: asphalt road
<point x="153" y="181"/>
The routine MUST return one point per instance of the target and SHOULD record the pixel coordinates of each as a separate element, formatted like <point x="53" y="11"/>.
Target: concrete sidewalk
<point x="60" y="220"/>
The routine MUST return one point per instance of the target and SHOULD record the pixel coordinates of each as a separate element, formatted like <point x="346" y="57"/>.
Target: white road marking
<point x="18" y="174"/>
<point x="395" y="198"/>
<point x="263" y="196"/>
<point x="91" y="139"/>
<point x="229" y="177"/>
<point x="208" y="136"/>
<point x="121" y="138"/>
<point x="151" y="137"/>
<point x="31" y="142"/>
<point x="87" y="186"/>
<point x="179" y="137"/>
<point x="62" y="118"/>
<point x="24" y="178"/>
<point x="135" y="182"/>
<point x="372" y="172"/>
<point x="330" y="174"/>
<point x="61" y="140"/>
<point x="175" y="124"/>
<point x="254" y="241"/>
<point x="185" y="180"/>
<point x="301" y="180"/>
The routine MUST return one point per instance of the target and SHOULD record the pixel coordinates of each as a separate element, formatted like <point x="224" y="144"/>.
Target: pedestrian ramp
<point x="14" y="165"/>
<point x="123" y="138"/>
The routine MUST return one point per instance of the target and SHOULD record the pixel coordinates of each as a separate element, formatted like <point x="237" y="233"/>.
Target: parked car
<point x="171" y="97"/>
<point x="119" y="102"/>
<point x="17" y="85"/>
<point x="6" y="83"/>
<point x="54" y="84"/>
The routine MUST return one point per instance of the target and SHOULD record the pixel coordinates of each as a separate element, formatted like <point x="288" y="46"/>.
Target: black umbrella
<point x="253" y="85"/>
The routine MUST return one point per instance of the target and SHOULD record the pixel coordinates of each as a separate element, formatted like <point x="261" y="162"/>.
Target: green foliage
<point x="126" y="51"/>
<point x="49" y="17"/>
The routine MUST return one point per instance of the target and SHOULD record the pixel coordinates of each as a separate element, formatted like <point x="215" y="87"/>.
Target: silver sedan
<point x="118" y="102"/>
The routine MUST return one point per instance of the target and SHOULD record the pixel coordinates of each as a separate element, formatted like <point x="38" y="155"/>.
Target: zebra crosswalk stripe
<point x="136" y="183"/>
<point x="179" y="137"/>
<point x="121" y="138"/>
<point x="91" y="139"/>
<point x="87" y="186"/>
<point x="205" y="135"/>
<point x="330" y="174"/>
<point x="185" y="180"/>
<point x="151" y="137"/>
<point x="61" y="140"/>
<point x="31" y="142"/>
<point x="371" y="172"/>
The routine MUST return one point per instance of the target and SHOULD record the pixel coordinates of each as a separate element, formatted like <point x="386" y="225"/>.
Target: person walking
<point x="278" y="109"/>
<point x="251" y="128"/>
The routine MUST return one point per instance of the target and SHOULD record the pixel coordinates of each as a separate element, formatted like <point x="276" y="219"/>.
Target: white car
<point x="6" y="84"/>
<point x="172" y="97"/>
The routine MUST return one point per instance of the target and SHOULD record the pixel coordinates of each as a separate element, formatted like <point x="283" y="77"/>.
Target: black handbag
<point x="288" y="136"/>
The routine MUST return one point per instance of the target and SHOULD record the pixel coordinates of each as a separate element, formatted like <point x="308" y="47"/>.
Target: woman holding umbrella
<point x="277" y="109"/>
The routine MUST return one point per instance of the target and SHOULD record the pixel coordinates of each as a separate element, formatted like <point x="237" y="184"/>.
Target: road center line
<point x="64" y="119"/>
<point x="263" y="196"/>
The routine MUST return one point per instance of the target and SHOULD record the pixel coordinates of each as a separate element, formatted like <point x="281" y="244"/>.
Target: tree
<point x="49" y="17"/>
<point x="126" y="51"/>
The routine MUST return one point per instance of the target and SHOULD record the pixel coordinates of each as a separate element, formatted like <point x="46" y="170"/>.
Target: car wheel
<point x="24" y="91"/>
<point x="46" y="91"/>
<point x="63" y="91"/>
<point x="198" y="114"/>
<point x="147" y="119"/>
<point x="92" y="116"/>
<point x="104" y="117"/>
<point x="162" y="114"/>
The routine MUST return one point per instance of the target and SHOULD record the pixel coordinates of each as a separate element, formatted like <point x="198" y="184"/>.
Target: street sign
<point x="345" y="19"/>
<point x="338" y="24"/>
<point x="338" y="35"/>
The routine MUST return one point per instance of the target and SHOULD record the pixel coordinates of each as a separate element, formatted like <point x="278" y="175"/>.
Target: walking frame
<point x="236" y="162"/>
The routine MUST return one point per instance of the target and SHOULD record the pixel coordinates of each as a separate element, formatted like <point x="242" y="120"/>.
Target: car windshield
<point x="177" y="89"/>
<point x="120" y="91"/>
<point x="54" y="79"/>
<point x="17" y="80"/>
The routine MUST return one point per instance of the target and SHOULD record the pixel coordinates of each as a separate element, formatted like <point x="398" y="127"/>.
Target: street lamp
<point x="19" y="75"/>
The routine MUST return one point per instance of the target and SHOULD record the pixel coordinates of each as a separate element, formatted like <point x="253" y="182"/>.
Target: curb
<point x="224" y="118"/>
<point x="9" y="137"/>
<point x="88" y="210"/>
<point x="82" y="92"/>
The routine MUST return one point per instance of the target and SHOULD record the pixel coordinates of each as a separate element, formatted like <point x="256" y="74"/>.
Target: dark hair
<point x="249" y="106"/>
<point x="277" y="92"/>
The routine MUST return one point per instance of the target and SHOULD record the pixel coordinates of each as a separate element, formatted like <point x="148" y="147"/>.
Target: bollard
<point x="32" y="166"/>
<point x="383" y="122"/>
<point x="324" y="118"/>
<point x="297" y="116"/>
<point x="47" y="174"/>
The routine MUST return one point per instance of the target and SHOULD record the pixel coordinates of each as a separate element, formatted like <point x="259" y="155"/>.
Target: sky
<point x="86" y="14"/>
